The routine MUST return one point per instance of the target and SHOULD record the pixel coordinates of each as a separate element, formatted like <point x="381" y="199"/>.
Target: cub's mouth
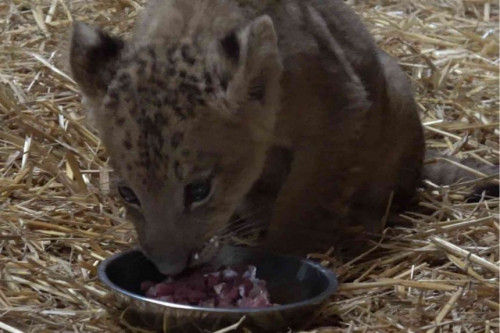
<point x="238" y="232"/>
<point x="205" y="253"/>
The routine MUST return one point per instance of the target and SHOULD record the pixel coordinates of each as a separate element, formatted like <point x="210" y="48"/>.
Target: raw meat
<point x="230" y="287"/>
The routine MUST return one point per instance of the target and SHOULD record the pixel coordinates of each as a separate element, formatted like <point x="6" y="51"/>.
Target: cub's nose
<point x="170" y="268"/>
<point x="167" y="263"/>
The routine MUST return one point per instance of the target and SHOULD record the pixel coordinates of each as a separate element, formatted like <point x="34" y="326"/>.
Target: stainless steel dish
<point x="300" y="286"/>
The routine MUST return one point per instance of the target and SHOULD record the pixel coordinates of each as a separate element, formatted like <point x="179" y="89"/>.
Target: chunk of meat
<point x="229" y="287"/>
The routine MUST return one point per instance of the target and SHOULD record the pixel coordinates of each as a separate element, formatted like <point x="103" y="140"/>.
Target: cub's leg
<point x="344" y="172"/>
<point x="393" y="164"/>
<point x="326" y="104"/>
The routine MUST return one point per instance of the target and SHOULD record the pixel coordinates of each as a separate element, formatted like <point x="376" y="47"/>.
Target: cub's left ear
<point x="93" y="59"/>
<point x="254" y="63"/>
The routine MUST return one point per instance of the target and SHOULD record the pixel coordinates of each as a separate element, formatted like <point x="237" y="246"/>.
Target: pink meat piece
<point x="261" y="301"/>
<point x="258" y="288"/>
<point x="146" y="285"/>
<point x="166" y="298"/>
<point x="165" y="289"/>
<point x="151" y="292"/>
<point x="182" y="293"/>
<point x="229" y="274"/>
<point x="196" y="296"/>
<point x="226" y="288"/>
<point x="197" y="282"/>
<point x="218" y="288"/>
<point x="212" y="280"/>
<point x="224" y="303"/>
<point x="230" y="293"/>
<point x="250" y="273"/>
<point x="244" y="285"/>
<point x="208" y="303"/>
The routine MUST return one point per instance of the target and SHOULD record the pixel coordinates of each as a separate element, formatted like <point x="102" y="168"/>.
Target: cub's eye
<point x="128" y="195"/>
<point x="196" y="191"/>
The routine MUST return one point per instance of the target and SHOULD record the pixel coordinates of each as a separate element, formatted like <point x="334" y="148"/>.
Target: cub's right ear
<point x="93" y="59"/>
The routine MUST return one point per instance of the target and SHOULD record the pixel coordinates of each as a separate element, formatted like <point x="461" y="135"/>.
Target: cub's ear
<point x="93" y="59"/>
<point x="255" y="65"/>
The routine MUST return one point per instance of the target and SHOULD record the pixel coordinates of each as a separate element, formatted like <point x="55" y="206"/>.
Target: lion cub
<point x="276" y="113"/>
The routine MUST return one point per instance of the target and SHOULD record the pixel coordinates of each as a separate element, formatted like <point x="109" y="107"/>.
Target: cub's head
<point x="187" y="125"/>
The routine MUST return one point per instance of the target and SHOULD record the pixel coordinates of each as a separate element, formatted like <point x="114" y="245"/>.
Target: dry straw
<point x="436" y="272"/>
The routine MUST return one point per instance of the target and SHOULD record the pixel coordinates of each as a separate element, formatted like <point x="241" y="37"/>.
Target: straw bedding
<point x="437" y="271"/>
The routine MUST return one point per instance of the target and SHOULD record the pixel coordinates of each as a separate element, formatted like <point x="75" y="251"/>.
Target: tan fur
<point x="314" y="132"/>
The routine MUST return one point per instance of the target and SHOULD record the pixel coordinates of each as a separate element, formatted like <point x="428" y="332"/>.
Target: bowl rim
<point x="329" y="291"/>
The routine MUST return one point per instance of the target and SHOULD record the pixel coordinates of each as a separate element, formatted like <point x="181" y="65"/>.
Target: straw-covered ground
<point x="437" y="272"/>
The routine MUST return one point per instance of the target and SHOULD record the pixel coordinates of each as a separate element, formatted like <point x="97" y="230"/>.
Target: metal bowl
<point x="299" y="286"/>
